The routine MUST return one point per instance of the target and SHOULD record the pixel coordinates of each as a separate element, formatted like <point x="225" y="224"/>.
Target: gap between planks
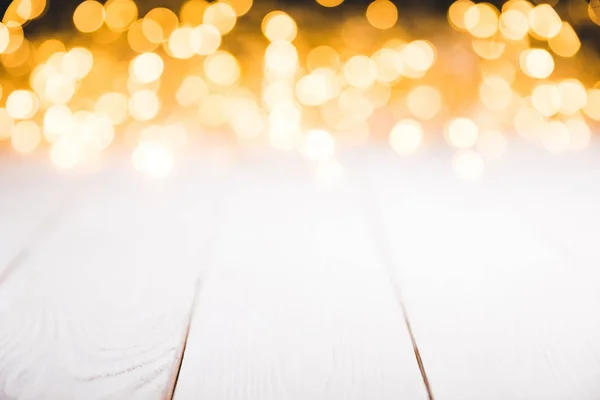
<point x="381" y="240"/>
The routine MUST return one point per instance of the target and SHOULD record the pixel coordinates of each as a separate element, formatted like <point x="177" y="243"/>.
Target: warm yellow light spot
<point x="495" y="93"/>
<point x="580" y="134"/>
<point x="89" y="16"/>
<point x="180" y="43"/>
<point x="30" y="9"/>
<point x="22" y="104"/>
<point x="48" y="48"/>
<point x="317" y="87"/>
<point x="462" y="133"/>
<point x="26" y="136"/>
<point x="424" y="102"/>
<point x="388" y="64"/>
<point x="281" y="58"/>
<point x="192" y="12"/>
<point x="120" y="14"/>
<point x="555" y="136"/>
<point x="59" y="89"/>
<point x="16" y="37"/>
<point x="323" y="57"/>
<point x="152" y="159"/>
<point x="19" y="57"/>
<point x="115" y="105"/>
<point x="546" y="99"/>
<point x="468" y="165"/>
<point x="573" y="95"/>
<point x="146" y="68"/>
<point x="192" y="91"/>
<point x="354" y="103"/>
<point x="241" y="7"/>
<point x="491" y="144"/>
<point x="247" y="121"/>
<point x="489" y="49"/>
<point x="77" y="63"/>
<point x="278" y="25"/>
<point x="514" y="25"/>
<point x="382" y="14"/>
<point x="592" y="107"/>
<point x="330" y="3"/>
<point x="481" y="20"/>
<point x="57" y="123"/>
<point x="222" y="68"/>
<point x="205" y="39"/>
<point x="544" y="21"/>
<point x="406" y="136"/>
<point x="284" y="126"/>
<point x="566" y="43"/>
<point x="144" y="105"/>
<point x="137" y="40"/>
<point x="221" y="15"/>
<point x="537" y="63"/>
<point x="360" y="71"/>
<point x="528" y="122"/>
<point x="456" y="14"/>
<point x="4" y="37"/>
<point x="158" y="24"/>
<point x="418" y="55"/>
<point x="318" y="145"/>
<point x="6" y="124"/>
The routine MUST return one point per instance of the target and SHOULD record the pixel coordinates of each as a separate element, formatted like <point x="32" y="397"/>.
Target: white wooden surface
<point x="297" y="304"/>
<point x="296" y="296"/>
<point x="500" y="278"/>
<point x="100" y="306"/>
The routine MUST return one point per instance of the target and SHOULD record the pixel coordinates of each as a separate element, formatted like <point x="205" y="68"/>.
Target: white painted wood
<point x="31" y="192"/>
<point x="500" y="277"/>
<point x="100" y="306"/>
<point x="297" y="304"/>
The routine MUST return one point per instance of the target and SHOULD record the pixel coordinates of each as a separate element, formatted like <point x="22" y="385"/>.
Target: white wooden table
<point x="248" y="277"/>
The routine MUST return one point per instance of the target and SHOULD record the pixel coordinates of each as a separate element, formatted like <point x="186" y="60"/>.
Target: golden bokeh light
<point x="330" y="3"/>
<point x="205" y="39"/>
<point x="406" y="136"/>
<point x="158" y="24"/>
<point x="89" y="16"/>
<point x="566" y="43"/>
<point x="222" y="68"/>
<point x="22" y="104"/>
<point x="278" y="25"/>
<point x="462" y="133"/>
<point x="144" y="105"/>
<point x="115" y="106"/>
<point x="221" y="15"/>
<point x="26" y="136"/>
<point x="241" y="7"/>
<point x="382" y="14"/>
<point x="146" y="68"/>
<point x="277" y="80"/>
<point x="537" y="63"/>
<point x="481" y="20"/>
<point x="424" y="102"/>
<point x="192" y="91"/>
<point x="120" y="14"/>
<point x="544" y="21"/>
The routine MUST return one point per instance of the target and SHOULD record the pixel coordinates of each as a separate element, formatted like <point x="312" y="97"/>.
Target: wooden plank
<point x="297" y="303"/>
<point x="100" y="307"/>
<point x="501" y="304"/>
<point x="31" y="194"/>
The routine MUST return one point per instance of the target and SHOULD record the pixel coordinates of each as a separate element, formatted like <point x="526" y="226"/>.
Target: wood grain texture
<point x="297" y="304"/>
<point x="100" y="307"/>
<point x="498" y="277"/>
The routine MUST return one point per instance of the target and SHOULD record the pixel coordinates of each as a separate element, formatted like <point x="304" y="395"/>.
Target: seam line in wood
<point x="377" y="229"/>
